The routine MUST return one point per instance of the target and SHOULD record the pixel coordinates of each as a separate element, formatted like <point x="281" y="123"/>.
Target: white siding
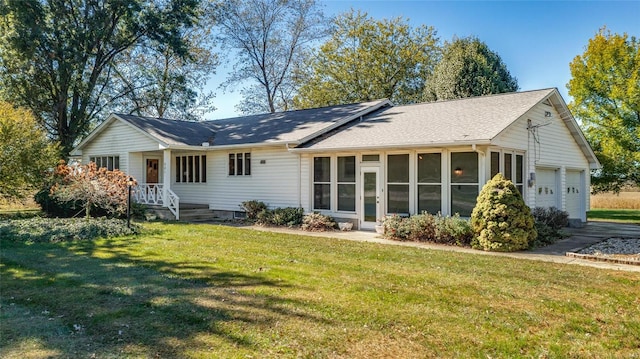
<point x="275" y="182"/>
<point x="119" y="139"/>
<point x="549" y="146"/>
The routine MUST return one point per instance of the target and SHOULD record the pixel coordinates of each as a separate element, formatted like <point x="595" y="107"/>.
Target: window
<point x="429" y="182"/>
<point x="370" y="158"/>
<point x="512" y="167"/>
<point x="109" y="162"/>
<point x="464" y="182"/>
<point x="398" y="183"/>
<point x="240" y="164"/>
<point x="191" y="169"/>
<point x="322" y="183"/>
<point x="347" y="183"/>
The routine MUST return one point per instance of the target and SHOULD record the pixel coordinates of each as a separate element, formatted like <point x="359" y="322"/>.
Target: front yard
<point x="206" y="291"/>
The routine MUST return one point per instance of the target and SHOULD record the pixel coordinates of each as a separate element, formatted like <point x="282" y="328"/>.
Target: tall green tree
<point x="25" y="153"/>
<point x="57" y="57"/>
<point x="468" y="68"/>
<point x="605" y="87"/>
<point x="156" y="81"/>
<point x="367" y="59"/>
<point x="267" y="40"/>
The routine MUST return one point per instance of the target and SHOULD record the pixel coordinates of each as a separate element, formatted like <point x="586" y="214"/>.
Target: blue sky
<point x="536" y="39"/>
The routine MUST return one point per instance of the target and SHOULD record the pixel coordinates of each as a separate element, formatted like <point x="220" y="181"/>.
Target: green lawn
<point x="206" y="291"/>
<point x="615" y="215"/>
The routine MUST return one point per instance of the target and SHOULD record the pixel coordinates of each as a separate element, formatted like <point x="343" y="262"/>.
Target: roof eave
<point x="395" y="146"/>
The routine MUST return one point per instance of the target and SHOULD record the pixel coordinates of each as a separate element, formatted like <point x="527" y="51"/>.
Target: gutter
<point x="472" y="143"/>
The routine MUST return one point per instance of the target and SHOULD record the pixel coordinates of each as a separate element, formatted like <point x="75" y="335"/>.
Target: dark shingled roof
<point x="281" y="127"/>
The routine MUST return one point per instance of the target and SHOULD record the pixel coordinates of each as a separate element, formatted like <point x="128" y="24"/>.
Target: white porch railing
<point x="153" y="193"/>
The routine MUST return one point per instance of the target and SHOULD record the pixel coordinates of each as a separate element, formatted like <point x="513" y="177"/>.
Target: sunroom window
<point x="464" y="182"/>
<point x="322" y="183"/>
<point x="191" y="169"/>
<point x="347" y="183"/>
<point x="429" y="182"/>
<point x="398" y="184"/>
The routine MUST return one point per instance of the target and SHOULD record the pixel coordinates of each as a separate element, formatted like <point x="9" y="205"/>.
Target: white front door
<point x="370" y="197"/>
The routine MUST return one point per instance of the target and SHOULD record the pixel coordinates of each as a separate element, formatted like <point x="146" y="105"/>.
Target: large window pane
<point x="429" y="199"/>
<point x="321" y="196"/>
<point x="464" y="167"/>
<point x="398" y="198"/>
<point x="398" y="169"/>
<point x="322" y="169"/>
<point x="429" y="169"/>
<point x="519" y="168"/>
<point x="347" y="169"/>
<point x="247" y="163"/>
<point x="347" y="197"/>
<point x="232" y="164"/>
<point x="508" y="174"/>
<point x="495" y="163"/>
<point x="463" y="199"/>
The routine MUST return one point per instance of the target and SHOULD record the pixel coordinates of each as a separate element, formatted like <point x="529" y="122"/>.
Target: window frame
<point x="340" y="183"/>
<point x="321" y="182"/>
<point x="190" y="169"/>
<point x="452" y="184"/>
<point x="424" y="184"/>
<point x="113" y="160"/>
<point x="514" y="156"/>
<point x="239" y="164"/>
<point x="406" y="184"/>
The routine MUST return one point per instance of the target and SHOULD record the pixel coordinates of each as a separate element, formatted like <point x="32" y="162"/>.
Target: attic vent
<point x="547" y="102"/>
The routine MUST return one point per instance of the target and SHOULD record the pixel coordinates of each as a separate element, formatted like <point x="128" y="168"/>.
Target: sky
<point x="535" y="39"/>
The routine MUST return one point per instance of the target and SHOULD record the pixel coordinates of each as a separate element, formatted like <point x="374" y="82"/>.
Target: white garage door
<point x="547" y="188"/>
<point x="574" y="194"/>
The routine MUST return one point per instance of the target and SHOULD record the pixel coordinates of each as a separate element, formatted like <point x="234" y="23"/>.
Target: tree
<point x="468" y="68"/>
<point x="367" y="59"/>
<point x="158" y="82"/>
<point x="25" y="153"/>
<point x="605" y="87"/>
<point x="269" y="38"/>
<point x="57" y="58"/>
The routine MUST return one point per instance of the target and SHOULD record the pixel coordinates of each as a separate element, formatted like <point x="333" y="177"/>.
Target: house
<point x="357" y="162"/>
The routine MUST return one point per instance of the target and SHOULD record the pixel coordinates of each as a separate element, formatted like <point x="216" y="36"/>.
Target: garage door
<point x="547" y="188"/>
<point x="574" y="194"/>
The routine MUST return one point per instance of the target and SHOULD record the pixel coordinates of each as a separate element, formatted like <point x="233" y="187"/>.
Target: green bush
<point x="64" y="229"/>
<point x="501" y="220"/>
<point x="429" y="228"/>
<point x="253" y="208"/>
<point x="549" y="222"/>
<point x="317" y="222"/>
<point x="288" y="216"/>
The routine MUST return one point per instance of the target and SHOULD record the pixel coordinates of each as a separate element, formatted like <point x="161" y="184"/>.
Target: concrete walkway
<point x="592" y="233"/>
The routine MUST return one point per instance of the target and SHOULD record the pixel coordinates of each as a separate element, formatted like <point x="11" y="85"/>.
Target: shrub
<point x="253" y="208"/>
<point x="501" y="220"/>
<point x="429" y="228"/>
<point x="549" y="222"/>
<point x="288" y="216"/>
<point x="318" y="222"/>
<point x="73" y="189"/>
<point x="64" y="229"/>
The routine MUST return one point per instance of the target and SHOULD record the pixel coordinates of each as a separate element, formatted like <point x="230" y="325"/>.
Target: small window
<point x="240" y="164"/>
<point x="191" y="169"/>
<point x="370" y="158"/>
<point x="109" y="162"/>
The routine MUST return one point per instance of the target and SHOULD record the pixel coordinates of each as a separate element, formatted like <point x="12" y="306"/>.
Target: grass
<point x="615" y="215"/>
<point x="203" y="291"/>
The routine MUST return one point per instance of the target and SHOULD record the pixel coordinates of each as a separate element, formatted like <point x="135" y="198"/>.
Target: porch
<point x="157" y="195"/>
